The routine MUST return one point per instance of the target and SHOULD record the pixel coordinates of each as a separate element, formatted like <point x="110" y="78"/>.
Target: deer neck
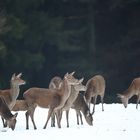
<point x="65" y="88"/>
<point x="4" y="109"/>
<point x="129" y="93"/>
<point x="7" y="115"/>
<point x="71" y="98"/>
<point x="65" y="91"/>
<point x="84" y="109"/>
<point x="14" y="91"/>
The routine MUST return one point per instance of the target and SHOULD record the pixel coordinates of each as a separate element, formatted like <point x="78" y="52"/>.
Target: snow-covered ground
<point x="114" y="123"/>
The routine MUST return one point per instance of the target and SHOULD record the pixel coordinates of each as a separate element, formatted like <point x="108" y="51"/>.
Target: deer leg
<point x="78" y="113"/>
<point x="27" y="120"/>
<point x="138" y="99"/>
<point x="53" y="120"/>
<point x="77" y="116"/>
<point x="48" y="117"/>
<point x="94" y="103"/>
<point x="59" y="117"/>
<point x="102" y="101"/>
<point x="89" y="104"/>
<point x="67" y="117"/>
<point x="81" y="117"/>
<point x="30" y="113"/>
<point x="32" y="118"/>
<point x="4" y="122"/>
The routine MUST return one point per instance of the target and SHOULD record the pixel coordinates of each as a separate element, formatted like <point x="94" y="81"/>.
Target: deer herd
<point x="61" y="95"/>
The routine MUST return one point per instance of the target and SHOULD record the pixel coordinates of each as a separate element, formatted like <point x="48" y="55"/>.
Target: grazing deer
<point x="80" y="105"/>
<point x="95" y="86"/>
<point x="10" y="95"/>
<point x="52" y="98"/>
<point x="20" y="105"/>
<point x="133" y="89"/>
<point x="6" y="114"/>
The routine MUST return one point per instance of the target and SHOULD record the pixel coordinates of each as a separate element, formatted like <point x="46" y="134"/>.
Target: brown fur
<point x="80" y="105"/>
<point x="20" y="105"/>
<point x="10" y="95"/>
<point x="133" y="89"/>
<point x="75" y="89"/>
<point x="95" y="86"/>
<point x="52" y="98"/>
<point x="6" y="114"/>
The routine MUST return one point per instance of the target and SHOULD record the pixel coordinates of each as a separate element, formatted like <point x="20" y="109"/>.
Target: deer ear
<point x="120" y="96"/>
<point x="81" y="80"/>
<point x="72" y="73"/>
<point x="13" y="76"/>
<point x="66" y="75"/>
<point x="19" y="75"/>
<point x="15" y="115"/>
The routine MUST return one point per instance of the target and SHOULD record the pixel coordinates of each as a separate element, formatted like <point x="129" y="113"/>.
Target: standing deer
<point x="10" y="95"/>
<point x="52" y="98"/>
<point x="56" y="82"/>
<point x="75" y="89"/>
<point x="95" y="86"/>
<point x="133" y="89"/>
<point x="6" y="114"/>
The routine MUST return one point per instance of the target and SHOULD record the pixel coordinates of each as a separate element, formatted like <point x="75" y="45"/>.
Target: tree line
<point x="45" y="38"/>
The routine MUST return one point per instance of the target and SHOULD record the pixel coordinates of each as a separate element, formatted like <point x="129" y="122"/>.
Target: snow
<point x="116" y="122"/>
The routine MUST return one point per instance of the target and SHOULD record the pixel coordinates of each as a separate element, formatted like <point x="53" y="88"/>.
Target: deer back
<point x="95" y="86"/>
<point x="133" y="89"/>
<point x="41" y="96"/>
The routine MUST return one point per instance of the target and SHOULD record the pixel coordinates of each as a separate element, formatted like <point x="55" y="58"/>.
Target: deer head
<point x="71" y="79"/>
<point x="12" y="121"/>
<point x="17" y="80"/>
<point x="89" y="118"/>
<point x="124" y="100"/>
<point x="80" y="86"/>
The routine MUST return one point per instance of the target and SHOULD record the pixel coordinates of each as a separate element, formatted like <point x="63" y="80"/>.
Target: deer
<point x="80" y="105"/>
<point x="75" y="89"/>
<point x="5" y="113"/>
<point x="95" y="86"/>
<point x="55" y="82"/>
<point x="74" y="101"/>
<point x="10" y="95"/>
<point x="52" y="98"/>
<point x="133" y="89"/>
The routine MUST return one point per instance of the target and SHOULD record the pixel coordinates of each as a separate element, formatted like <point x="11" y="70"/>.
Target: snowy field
<point x="114" y="123"/>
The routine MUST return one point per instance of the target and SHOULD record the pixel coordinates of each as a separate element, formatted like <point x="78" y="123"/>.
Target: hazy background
<point x="45" y="38"/>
